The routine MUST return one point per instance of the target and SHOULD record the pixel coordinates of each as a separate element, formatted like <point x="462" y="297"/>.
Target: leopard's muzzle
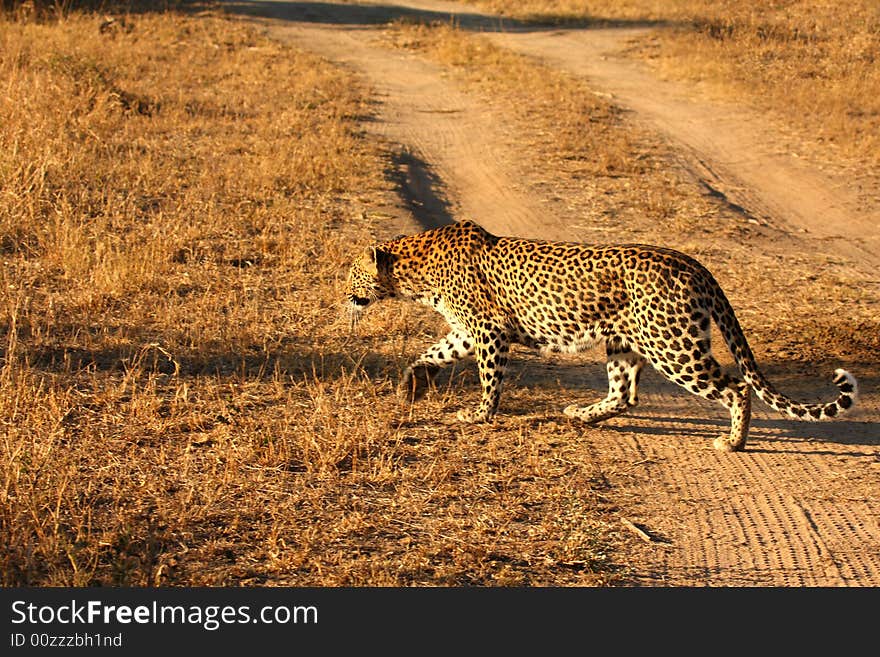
<point x="356" y="307"/>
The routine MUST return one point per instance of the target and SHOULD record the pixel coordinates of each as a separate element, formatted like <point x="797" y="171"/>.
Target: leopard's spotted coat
<point x="648" y="304"/>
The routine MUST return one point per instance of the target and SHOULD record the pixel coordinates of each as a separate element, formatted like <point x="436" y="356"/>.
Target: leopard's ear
<point x="375" y="259"/>
<point x="369" y="259"/>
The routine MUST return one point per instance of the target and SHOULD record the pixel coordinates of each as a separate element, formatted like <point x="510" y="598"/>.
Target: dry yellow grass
<point x="151" y="177"/>
<point x="178" y="403"/>
<point x="814" y="64"/>
<point x="581" y="136"/>
<point x="179" y="198"/>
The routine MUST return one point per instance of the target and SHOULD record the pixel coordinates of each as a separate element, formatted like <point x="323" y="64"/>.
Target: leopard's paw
<point x="416" y="382"/>
<point x="471" y="417"/>
<point x="722" y="444"/>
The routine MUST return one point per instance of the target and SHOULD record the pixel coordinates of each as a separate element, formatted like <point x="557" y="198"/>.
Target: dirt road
<point x="801" y="507"/>
<point x="731" y="149"/>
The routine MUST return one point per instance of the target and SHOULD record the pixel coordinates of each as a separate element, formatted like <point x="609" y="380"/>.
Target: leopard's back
<point x="567" y="295"/>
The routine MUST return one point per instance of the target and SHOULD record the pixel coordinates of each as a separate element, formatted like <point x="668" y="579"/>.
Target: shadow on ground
<point x="667" y="409"/>
<point x="291" y="359"/>
<point x="354" y="15"/>
<point x="421" y="190"/>
<point x="531" y="386"/>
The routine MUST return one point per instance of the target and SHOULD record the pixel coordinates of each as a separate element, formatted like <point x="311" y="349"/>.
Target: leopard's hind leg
<point x="624" y="370"/>
<point x="731" y="392"/>
<point x="703" y="376"/>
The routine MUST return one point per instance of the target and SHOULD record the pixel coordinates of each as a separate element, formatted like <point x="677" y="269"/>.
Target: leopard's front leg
<point x="490" y="351"/>
<point x="420" y="374"/>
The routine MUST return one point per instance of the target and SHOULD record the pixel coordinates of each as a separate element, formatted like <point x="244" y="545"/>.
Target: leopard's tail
<point x="848" y="387"/>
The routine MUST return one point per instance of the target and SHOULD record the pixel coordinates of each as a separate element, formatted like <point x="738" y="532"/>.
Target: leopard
<point x="647" y="304"/>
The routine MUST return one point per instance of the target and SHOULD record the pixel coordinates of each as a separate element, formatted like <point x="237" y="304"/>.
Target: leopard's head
<point x="369" y="280"/>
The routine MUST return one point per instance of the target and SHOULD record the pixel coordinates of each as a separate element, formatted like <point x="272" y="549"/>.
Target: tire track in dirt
<point x="799" y="509"/>
<point x="732" y="150"/>
<point x="451" y="161"/>
<point x="795" y="510"/>
<point x="735" y="152"/>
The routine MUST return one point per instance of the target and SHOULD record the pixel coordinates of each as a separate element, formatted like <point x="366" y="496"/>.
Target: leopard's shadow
<point x="534" y="385"/>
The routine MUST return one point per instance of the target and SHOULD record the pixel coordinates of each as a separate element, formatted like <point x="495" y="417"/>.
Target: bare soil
<point x="800" y="507"/>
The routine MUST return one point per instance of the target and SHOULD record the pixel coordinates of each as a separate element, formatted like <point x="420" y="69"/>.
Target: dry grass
<point x="813" y="64"/>
<point x="586" y="129"/>
<point x="582" y="138"/>
<point x="178" y="403"/>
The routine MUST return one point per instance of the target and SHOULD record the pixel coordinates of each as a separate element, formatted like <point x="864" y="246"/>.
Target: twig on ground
<point x="642" y="534"/>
